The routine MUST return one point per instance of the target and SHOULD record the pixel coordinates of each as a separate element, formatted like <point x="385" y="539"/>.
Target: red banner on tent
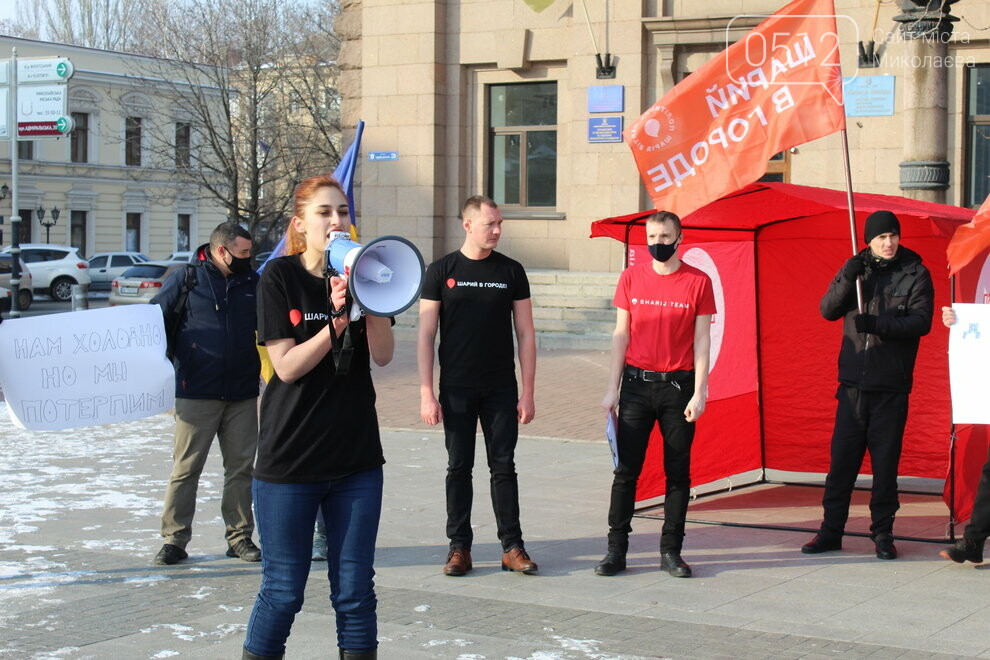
<point x="969" y="240"/>
<point x="714" y="133"/>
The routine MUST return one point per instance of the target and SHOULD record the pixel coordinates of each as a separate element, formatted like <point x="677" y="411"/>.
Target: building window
<point x="27" y="217"/>
<point x="978" y="135"/>
<point x="182" y="231"/>
<point x="132" y="237"/>
<point x="183" y="144"/>
<point x="77" y="230"/>
<point x="522" y="161"/>
<point x="778" y="169"/>
<point x="132" y="141"/>
<point x="25" y="150"/>
<point x="79" y="140"/>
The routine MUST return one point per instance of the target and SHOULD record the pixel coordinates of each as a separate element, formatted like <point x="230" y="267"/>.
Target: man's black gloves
<point x="854" y="268"/>
<point x="866" y="323"/>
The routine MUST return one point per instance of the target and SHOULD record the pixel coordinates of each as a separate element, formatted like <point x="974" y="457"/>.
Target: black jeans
<point x="496" y="408"/>
<point x="864" y="421"/>
<point x="641" y="404"/>
<point x="978" y="528"/>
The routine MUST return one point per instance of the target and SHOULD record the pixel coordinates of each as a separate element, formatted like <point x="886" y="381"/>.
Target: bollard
<point x="80" y="297"/>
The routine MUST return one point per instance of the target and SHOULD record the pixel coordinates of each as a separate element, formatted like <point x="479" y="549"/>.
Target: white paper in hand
<point x="611" y="433"/>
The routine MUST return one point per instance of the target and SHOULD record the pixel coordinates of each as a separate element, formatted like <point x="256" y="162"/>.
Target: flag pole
<point x="852" y="213"/>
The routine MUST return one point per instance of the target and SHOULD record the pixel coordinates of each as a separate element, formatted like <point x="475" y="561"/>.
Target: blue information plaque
<point x="606" y="98"/>
<point x="383" y="155"/>
<point x="605" y="129"/>
<point x="868" y="96"/>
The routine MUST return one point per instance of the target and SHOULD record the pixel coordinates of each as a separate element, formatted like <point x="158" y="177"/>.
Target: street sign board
<point x="43" y="70"/>
<point x="42" y="111"/>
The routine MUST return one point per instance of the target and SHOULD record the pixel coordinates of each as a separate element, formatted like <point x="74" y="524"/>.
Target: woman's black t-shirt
<point x="321" y="426"/>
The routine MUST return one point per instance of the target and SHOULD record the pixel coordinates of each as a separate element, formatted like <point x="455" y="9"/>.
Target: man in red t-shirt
<point x="660" y="353"/>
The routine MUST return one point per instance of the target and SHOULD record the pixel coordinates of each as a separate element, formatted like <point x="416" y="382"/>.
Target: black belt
<point x="657" y="376"/>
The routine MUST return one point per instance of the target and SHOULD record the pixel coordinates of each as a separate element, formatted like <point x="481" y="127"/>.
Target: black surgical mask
<point x="662" y="252"/>
<point x="239" y="265"/>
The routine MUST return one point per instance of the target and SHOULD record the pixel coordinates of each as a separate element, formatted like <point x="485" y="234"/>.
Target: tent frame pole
<point x="952" y="444"/>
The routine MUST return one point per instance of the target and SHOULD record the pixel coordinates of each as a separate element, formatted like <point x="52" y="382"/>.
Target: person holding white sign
<point x="209" y="309"/>
<point x="970" y="546"/>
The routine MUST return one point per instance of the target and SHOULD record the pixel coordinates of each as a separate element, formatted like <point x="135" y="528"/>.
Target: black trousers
<point x="496" y="408"/>
<point x="642" y="404"/>
<point x="978" y="528"/>
<point x="864" y="421"/>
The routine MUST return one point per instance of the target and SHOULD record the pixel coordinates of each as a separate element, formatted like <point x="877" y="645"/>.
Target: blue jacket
<point x="216" y="356"/>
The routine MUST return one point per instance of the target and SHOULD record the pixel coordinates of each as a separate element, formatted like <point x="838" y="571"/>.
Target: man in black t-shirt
<point x="476" y="297"/>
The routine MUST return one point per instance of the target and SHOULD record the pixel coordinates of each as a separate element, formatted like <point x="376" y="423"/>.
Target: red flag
<point x="970" y="239"/>
<point x="712" y="134"/>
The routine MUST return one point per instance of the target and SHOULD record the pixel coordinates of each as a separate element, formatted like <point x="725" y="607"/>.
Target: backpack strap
<point x="179" y="308"/>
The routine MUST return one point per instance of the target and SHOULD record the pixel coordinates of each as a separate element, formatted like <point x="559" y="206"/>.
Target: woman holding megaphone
<point x="319" y="448"/>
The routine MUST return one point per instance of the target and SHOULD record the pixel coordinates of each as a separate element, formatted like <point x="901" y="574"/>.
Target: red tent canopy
<point x="771" y="249"/>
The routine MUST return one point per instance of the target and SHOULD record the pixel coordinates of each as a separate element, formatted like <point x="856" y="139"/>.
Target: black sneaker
<point x="965" y="550"/>
<point x="246" y="550"/>
<point x="614" y="562"/>
<point x="170" y="554"/>
<point x="673" y="564"/>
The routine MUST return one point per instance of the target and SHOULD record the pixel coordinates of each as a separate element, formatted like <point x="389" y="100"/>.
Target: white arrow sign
<point x="44" y="70"/>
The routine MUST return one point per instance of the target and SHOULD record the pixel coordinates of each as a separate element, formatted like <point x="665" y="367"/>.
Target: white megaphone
<point x="384" y="277"/>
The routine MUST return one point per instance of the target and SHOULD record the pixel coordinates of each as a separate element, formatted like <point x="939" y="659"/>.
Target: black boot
<point x="367" y="654"/>
<point x="253" y="656"/>
<point x="965" y="550"/>
<point x="613" y="562"/>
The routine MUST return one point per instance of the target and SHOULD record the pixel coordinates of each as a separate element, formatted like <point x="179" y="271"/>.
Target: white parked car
<point x="105" y="267"/>
<point x="24" y="291"/>
<point x="54" y="268"/>
<point x="183" y="255"/>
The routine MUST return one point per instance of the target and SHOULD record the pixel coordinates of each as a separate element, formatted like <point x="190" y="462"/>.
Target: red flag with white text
<point x="715" y="131"/>
<point x="969" y="239"/>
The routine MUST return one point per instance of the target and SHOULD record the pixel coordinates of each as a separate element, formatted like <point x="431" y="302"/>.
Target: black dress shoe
<point x="673" y="564"/>
<point x="170" y="554"/>
<point x="614" y="562"/>
<point x="822" y="543"/>
<point x="965" y="550"/>
<point x="885" y="547"/>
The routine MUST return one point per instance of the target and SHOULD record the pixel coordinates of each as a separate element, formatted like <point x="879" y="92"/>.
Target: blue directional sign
<point x="383" y="155"/>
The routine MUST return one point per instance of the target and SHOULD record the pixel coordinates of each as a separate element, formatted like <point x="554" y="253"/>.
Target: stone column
<point x="926" y="27"/>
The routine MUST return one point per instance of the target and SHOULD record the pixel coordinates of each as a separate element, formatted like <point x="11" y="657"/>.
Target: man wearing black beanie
<point x="876" y="365"/>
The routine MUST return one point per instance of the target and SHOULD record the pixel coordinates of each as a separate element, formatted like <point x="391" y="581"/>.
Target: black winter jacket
<point x="902" y="297"/>
<point x="216" y="356"/>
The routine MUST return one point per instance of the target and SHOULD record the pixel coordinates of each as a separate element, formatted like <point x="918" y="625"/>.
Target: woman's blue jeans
<point x="284" y="514"/>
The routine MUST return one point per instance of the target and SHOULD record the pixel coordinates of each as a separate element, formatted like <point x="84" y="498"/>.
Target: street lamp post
<point x="47" y="224"/>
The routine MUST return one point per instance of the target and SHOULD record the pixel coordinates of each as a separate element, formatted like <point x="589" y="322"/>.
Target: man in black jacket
<point x="876" y="365"/>
<point x="216" y="388"/>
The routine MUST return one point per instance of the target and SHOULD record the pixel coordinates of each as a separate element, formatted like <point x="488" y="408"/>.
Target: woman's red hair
<point x="295" y="242"/>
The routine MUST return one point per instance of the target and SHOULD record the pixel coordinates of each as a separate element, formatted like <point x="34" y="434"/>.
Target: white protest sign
<point x="969" y="363"/>
<point x="97" y="366"/>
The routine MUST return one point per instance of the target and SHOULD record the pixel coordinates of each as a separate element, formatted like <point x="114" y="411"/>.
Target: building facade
<point x="512" y="98"/>
<point x="116" y="177"/>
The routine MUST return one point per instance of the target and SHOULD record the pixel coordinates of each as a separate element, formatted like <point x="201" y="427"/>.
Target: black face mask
<point x="239" y="265"/>
<point x="662" y="252"/>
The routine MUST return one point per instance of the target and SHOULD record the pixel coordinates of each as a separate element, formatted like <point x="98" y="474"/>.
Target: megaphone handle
<point x="342" y="347"/>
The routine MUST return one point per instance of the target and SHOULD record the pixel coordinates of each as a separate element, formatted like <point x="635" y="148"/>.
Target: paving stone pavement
<point x="79" y="519"/>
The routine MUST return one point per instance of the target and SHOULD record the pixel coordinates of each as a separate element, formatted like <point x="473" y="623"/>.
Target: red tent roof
<point x="761" y="204"/>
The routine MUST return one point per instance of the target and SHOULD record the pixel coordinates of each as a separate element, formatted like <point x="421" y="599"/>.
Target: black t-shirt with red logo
<point x="476" y="297"/>
<point x="321" y="426"/>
